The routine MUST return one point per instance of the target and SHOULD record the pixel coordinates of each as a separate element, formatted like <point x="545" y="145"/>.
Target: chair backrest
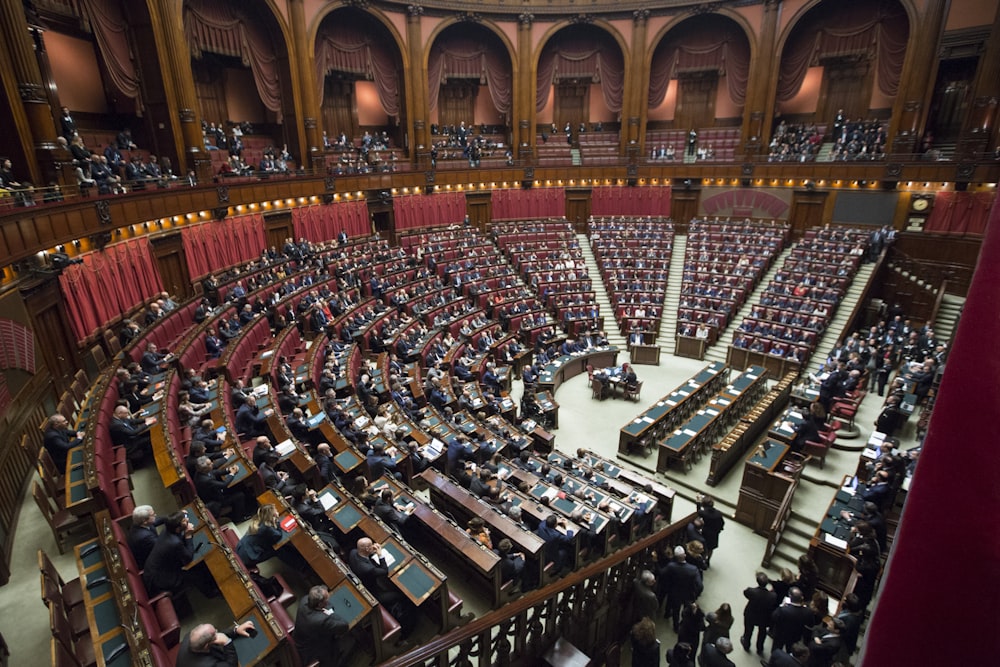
<point x="44" y="504"/>
<point x="48" y="481"/>
<point x="48" y="568"/>
<point x="63" y="657"/>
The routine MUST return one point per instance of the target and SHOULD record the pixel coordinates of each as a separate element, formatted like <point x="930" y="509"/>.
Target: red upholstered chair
<point x="817" y="450"/>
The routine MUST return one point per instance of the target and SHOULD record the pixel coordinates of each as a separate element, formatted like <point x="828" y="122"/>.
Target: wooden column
<point x="979" y="132"/>
<point x="634" y="109"/>
<point x="308" y="102"/>
<point x="758" y="110"/>
<point x="33" y="117"/>
<point x="178" y="80"/>
<point x="524" y="94"/>
<point x="909" y="112"/>
<point x="416" y="94"/>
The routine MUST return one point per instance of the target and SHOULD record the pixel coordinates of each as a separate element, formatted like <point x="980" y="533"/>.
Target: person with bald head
<point x="366" y="562"/>
<point x="59" y="439"/>
<point x="132" y="434"/>
<point x="205" y="646"/>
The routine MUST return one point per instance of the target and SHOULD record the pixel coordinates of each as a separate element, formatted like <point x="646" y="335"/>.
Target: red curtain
<point x="530" y="203"/>
<point x="109" y="283"/>
<point x="960" y="213"/>
<point x="698" y="44"/>
<point x="442" y="208"/>
<point x="590" y="56"/>
<point x="323" y="223"/>
<point x="216" y="245"/>
<point x="616" y="200"/>
<point x="877" y="31"/>
<point x="952" y="495"/>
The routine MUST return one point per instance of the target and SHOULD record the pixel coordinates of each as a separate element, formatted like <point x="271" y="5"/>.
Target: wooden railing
<point x="778" y="525"/>
<point x="588" y="608"/>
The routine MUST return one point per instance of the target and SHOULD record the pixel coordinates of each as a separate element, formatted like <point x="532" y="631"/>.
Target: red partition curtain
<point x="108" y="283"/>
<point x="414" y="211"/>
<point x="575" y="57"/>
<point x="217" y="27"/>
<point x="951" y="497"/>
<point x="322" y="223"/>
<point x="465" y="58"/>
<point x="216" y="245"/>
<point x="342" y="48"/>
<point x="111" y="34"/>
<point x="530" y="203"/>
<point x="701" y="44"/>
<point x="875" y="30"/>
<point x="618" y="200"/>
<point x="960" y="213"/>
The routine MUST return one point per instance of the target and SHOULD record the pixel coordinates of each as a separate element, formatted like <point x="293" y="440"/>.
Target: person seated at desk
<point x="480" y="484"/>
<point x="143" y="535"/>
<point x="205" y="646"/>
<point x="190" y="411"/>
<point x="477" y="530"/>
<point x="381" y="463"/>
<point x="392" y="514"/>
<point x="808" y="429"/>
<point x="173" y="550"/>
<point x="250" y="420"/>
<point x="59" y="439"/>
<point x="511" y="565"/>
<point x="891" y="418"/>
<point x="212" y="486"/>
<point x="558" y="545"/>
<point x="152" y="361"/>
<point x="701" y="333"/>
<point x="197" y="450"/>
<point x="276" y="480"/>
<point x="263" y="533"/>
<point x="320" y="633"/>
<point x="132" y="434"/>
<point x="367" y="562"/>
<point x="629" y="377"/>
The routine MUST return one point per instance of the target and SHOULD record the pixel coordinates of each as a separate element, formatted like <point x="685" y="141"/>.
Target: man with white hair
<point x="681" y="584"/>
<point x="205" y="646"/>
<point x="644" y="602"/>
<point x="715" y="655"/>
<point x="142" y="536"/>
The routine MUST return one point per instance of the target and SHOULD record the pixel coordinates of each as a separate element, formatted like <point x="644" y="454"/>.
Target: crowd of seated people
<point x="858" y="140"/>
<point x="798" y="303"/>
<point x="795" y="142"/>
<point x="634" y="258"/>
<point x="723" y="263"/>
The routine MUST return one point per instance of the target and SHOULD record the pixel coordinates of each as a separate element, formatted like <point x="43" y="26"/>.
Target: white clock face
<point x="920" y="204"/>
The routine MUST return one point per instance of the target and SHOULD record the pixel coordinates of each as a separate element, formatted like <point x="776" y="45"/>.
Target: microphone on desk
<point x="118" y="650"/>
<point x="97" y="582"/>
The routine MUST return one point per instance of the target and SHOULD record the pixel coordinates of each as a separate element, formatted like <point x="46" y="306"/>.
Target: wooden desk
<point x="690" y="347"/>
<point x="828" y="546"/>
<point x="567" y="366"/>
<point x="645" y="354"/>
<point x="79" y="500"/>
<point x="767" y="473"/>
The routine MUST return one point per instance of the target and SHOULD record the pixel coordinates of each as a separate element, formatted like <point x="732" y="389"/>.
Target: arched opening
<point x="581" y="81"/>
<point x="360" y="72"/>
<point x="470" y="81"/>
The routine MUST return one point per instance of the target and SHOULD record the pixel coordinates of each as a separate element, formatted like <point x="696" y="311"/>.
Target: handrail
<point x="862" y="302"/>
<point x="942" y="290"/>
<point x="478" y="631"/>
<point x="777" y="526"/>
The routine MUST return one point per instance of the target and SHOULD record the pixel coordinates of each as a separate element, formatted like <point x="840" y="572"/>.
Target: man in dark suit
<point x="251" y="421"/>
<point x="681" y="583"/>
<point x="174" y="549"/>
<point x="891" y="417"/>
<point x="789" y="621"/>
<point x="644" y="602"/>
<point x="319" y="631"/>
<point x="207" y="647"/>
<point x="212" y="486"/>
<point x="761" y="603"/>
<point x="878" y="490"/>
<point x="511" y="564"/>
<point x="152" y="361"/>
<point x="132" y="434"/>
<point x="380" y="464"/>
<point x="59" y="439"/>
<point x="143" y="534"/>
<point x="366" y="562"/>
<point x="214" y="345"/>
<point x="386" y="510"/>
<point x="716" y="655"/>
<point x="714" y="524"/>
<point x="798" y="657"/>
<point x="558" y="545"/>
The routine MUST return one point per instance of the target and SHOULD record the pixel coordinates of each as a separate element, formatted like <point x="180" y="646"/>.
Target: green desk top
<point x="123" y="659"/>
<point x="347" y="516"/>
<point x="415" y="579"/>
<point x="768" y="457"/>
<point x="347" y="460"/>
<point x="94" y="557"/>
<point x="346" y="603"/>
<point x="250" y="650"/>
<point x="107" y="616"/>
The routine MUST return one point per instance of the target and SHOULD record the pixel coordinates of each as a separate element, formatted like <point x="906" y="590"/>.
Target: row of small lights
<point x="165" y="223"/>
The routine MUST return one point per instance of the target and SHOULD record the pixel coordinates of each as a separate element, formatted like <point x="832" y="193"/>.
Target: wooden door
<point x="172" y="265"/>
<point x="457" y="102"/>
<point x="55" y="338"/>
<point x="479" y="208"/>
<point x="279" y="228"/>
<point x="847" y="85"/>
<point x="807" y="211"/>
<point x="696" y="100"/>
<point x="571" y="105"/>
<point x="578" y="209"/>
<point x="339" y="108"/>
<point x="209" y="87"/>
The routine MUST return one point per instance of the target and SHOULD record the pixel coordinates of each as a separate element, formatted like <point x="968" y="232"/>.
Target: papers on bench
<point x="386" y="558"/>
<point x="284" y="447"/>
